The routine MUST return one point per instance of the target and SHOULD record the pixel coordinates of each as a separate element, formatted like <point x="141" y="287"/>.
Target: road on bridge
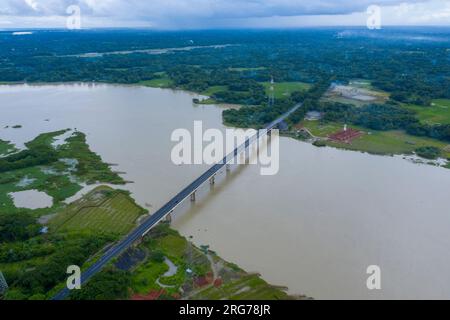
<point x="166" y="209"/>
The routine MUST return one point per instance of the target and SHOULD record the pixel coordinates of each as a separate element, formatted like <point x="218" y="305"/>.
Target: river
<point x="315" y="226"/>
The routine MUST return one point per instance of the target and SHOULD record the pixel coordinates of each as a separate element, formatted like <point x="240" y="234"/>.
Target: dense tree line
<point x="38" y="155"/>
<point x="110" y="284"/>
<point x="17" y="227"/>
<point x="428" y="152"/>
<point x="413" y="71"/>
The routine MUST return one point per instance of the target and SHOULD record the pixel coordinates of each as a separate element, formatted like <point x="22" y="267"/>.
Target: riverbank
<point x="107" y="214"/>
<point x="371" y="141"/>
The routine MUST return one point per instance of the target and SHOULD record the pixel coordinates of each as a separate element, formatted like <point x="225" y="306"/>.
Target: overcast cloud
<point x="183" y="14"/>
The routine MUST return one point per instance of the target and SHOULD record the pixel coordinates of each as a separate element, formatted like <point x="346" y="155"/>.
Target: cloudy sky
<point x="193" y="14"/>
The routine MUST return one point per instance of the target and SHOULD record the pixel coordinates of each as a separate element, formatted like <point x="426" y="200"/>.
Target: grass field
<point x="211" y="90"/>
<point x="437" y="113"/>
<point x="377" y="142"/>
<point x="163" y="82"/>
<point x="102" y="210"/>
<point x="283" y="89"/>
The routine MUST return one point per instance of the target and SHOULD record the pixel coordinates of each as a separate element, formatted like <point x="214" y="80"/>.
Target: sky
<point x="209" y="14"/>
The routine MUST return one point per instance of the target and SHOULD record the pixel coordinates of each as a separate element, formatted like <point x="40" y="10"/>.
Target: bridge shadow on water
<point x="207" y="193"/>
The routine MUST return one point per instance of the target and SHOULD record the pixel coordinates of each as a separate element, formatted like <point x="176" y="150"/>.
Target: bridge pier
<point x="169" y="217"/>
<point x="212" y="180"/>
<point x="228" y="167"/>
<point x="193" y="196"/>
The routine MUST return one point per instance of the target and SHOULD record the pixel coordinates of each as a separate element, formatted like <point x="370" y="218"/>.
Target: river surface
<point x="315" y="226"/>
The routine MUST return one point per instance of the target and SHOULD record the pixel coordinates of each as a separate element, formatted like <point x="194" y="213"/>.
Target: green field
<point x="163" y="82"/>
<point x="377" y="142"/>
<point x="214" y="89"/>
<point x="284" y="89"/>
<point x="101" y="210"/>
<point x="437" y="113"/>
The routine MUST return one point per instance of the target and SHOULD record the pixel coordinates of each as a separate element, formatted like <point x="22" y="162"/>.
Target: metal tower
<point x="271" y="93"/>
<point x="3" y="284"/>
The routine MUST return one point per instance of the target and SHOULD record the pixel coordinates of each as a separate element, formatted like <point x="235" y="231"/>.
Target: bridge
<point x="169" y="207"/>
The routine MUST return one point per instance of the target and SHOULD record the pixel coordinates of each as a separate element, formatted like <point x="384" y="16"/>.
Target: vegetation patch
<point x="90" y="166"/>
<point x="163" y="81"/>
<point x="6" y="147"/>
<point x="245" y="287"/>
<point x="428" y="152"/>
<point x="110" y="284"/>
<point x="373" y="141"/>
<point x="102" y="210"/>
<point x="56" y="170"/>
<point x="35" y="265"/>
<point x="438" y="112"/>
<point x="285" y="89"/>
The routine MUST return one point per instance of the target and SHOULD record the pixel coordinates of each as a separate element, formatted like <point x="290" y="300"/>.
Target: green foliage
<point x="428" y="152"/>
<point x="39" y="155"/>
<point x="5" y="147"/>
<point x="15" y="227"/>
<point x="319" y="143"/>
<point x="25" y="250"/>
<point x="287" y="55"/>
<point x="109" y="284"/>
<point x="373" y="116"/>
<point x="156" y="256"/>
<point x="42" y="275"/>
